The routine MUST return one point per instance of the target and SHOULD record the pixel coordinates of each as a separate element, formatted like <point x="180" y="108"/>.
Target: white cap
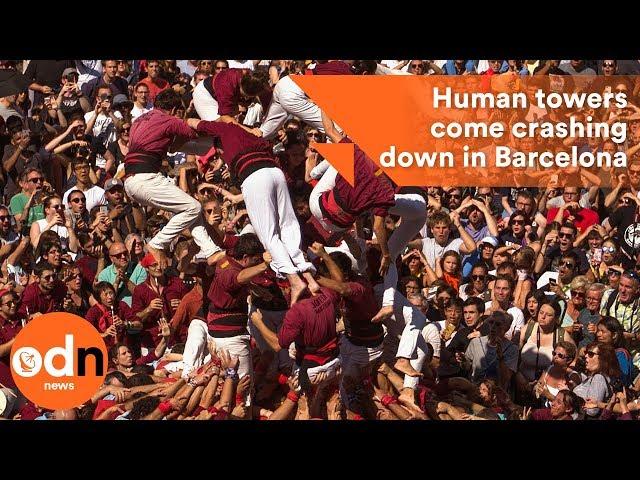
<point x="490" y="240"/>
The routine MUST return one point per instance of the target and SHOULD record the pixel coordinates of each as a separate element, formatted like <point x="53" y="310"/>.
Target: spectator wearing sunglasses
<point x="123" y="274"/>
<point x="555" y="245"/>
<point x="44" y="296"/>
<point x="8" y="236"/>
<point x="18" y="156"/>
<point x="103" y="121"/>
<point x="601" y="368"/>
<point x="94" y="194"/>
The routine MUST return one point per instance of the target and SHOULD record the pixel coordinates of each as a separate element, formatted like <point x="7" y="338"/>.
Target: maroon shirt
<point x="8" y="331"/>
<point x="370" y="192"/>
<point x="150" y="138"/>
<point x="335" y="67"/>
<point x="88" y="268"/>
<point x="100" y="317"/>
<point x="236" y="142"/>
<point x="143" y="294"/>
<point x="310" y="323"/>
<point x="361" y="306"/>
<point x="227" y="301"/>
<point x="38" y="301"/>
<point x="226" y="87"/>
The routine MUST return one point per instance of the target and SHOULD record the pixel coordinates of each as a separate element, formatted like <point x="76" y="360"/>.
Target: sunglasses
<point x="36" y="180"/>
<point x="126" y="130"/>
<point x="565" y="235"/>
<point x="613" y="273"/>
<point x="56" y="207"/>
<point x="73" y="277"/>
<point x="577" y="294"/>
<point x="417" y="65"/>
<point x="608" y="65"/>
<point x="561" y="356"/>
<point x="79" y="200"/>
<point x="567" y="264"/>
<point x="314" y="135"/>
<point x="454" y="195"/>
<point x="591" y="353"/>
<point x="478" y="277"/>
<point x="10" y="302"/>
<point x="120" y="255"/>
<point x="517" y="222"/>
<point x="105" y="97"/>
<point x="608" y="249"/>
<point x="49" y="277"/>
<point x="5" y="218"/>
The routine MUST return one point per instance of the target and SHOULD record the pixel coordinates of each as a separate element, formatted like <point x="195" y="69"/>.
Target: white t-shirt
<point x="103" y="127"/>
<point x="516" y="324"/>
<point x="137" y="111"/>
<point x="559" y="201"/>
<point x="95" y="196"/>
<point x="241" y="64"/>
<point x="88" y="70"/>
<point x="61" y="230"/>
<point x="431" y="335"/>
<point x="432" y="250"/>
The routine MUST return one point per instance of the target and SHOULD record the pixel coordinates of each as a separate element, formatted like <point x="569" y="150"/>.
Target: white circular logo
<point x="632" y="235"/>
<point x="27" y="362"/>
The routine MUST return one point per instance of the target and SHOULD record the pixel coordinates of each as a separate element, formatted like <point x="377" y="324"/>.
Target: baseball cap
<point x="490" y="240"/>
<point x="112" y="182"/>
<point x="67" y="71"/>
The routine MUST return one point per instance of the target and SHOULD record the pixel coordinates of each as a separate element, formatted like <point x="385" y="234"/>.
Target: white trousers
<point x="289" y="99"/>
<point x="331" y="369"/>
<point x="196" y="352"/>
<point x="205" y="104"/>
<point x="271" y="213"/>
<point x="158" y="191"/>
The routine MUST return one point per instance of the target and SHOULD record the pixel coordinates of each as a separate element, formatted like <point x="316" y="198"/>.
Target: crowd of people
<point x="181" y="209"/>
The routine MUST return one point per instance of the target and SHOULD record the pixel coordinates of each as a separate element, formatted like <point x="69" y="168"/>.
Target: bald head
<point x="67" y="414"/>
<point x="119" y="254"/>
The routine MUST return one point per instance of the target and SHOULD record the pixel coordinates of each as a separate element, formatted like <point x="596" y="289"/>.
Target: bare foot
<point x="384" y="369"/>
<point x="297" y="287"/>
<point x="408" y="398"/>
<point x="403" y="365"/>
<point x="383" y="314"/>
<point x="160" y="257"/>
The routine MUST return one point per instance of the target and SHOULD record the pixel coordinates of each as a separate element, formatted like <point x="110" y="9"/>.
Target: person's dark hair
<point x="143" y="407"/>
<point x="571" y="255"/>
<point x="557" y="309"/>
<point x="140" y="379"/>
<point x="445" y="288"/>
<point x="102" y="86"/>
<point x="344" y="264"/>
<point x="86" y="411"/>
<point x="13" y="124"/>
<point x="539" y="296"/>
<point x="526" y="194"/>
<point x="507" y="279"/>
<point x="508" y="265"/>
<point x="474" y="301"/>
<point x="113" y="351"/>
<point x="101" y="287"/>
<point x="608" y="360"/>
<point x="25" y="173"/>
<point x="571" y="400"/>
<point x="456" y="303"/>
<point x="248" y="244"/>
<point x="142" y="369"/>
<point x="454" y="254"/>
<point x="47" y="242"/>
<point x="254" y="83"/>
<point x="569" y="225"/>
<point x="519" y="213"/>
<point x="47" y="200"/>
<point x="168" y="100"/>
<point x="364" y="67"/>
<point x="42" y="266"/>
<point x="617" y="331"/>
<point x="121" y="377"/>
<point x="503" y="317"/>
<point x="570" y="348"/>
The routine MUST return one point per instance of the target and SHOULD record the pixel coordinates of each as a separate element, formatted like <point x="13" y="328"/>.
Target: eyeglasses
<point x="74" y="276"/>
<point x="79" y="200"/>
<point x="517" y="222"/>
<point x="608" y="249"/>
<point x="591" y="353"/>
<point x="124" y="254"/>
<point x="36" y="180"/>
<point x="317" y="135"/>
<point x="561" y="356"/>
<point x="51" y="276"/>
<point x="608" y="65"/>
<point x="567" y="264"/>
<point x="621" y="90"/>
<point x="5" y="218"/>
<point x="565" y="235"/>
<point x="633" y="173"/>
<point x="613" y="273"/>
<point x="478" y="277"/>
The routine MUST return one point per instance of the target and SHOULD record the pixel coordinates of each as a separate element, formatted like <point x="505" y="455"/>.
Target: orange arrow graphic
<point x="340" y="155"/>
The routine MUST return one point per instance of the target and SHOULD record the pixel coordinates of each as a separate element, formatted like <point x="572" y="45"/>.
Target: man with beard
<point x="44" y="296"/>
<point x="503" y="289"/>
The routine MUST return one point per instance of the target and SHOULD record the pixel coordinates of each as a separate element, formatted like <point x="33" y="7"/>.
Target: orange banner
<point x="500" y="130"/>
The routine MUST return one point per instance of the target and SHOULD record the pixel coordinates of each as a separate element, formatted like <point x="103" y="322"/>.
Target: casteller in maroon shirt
<point x="311" y="324"/>
<point x="332" y="67"/>
<point x="8" y="331"/>
<point x="100" y="317"/>
<point x="143" y="294"/>
<point x="228" y="308"/>
<point x="361" y="306"/>
<point x="35" y="300"/>
<point x="371" y="192"/>
<point x="150" y="138"/>
<point x="242" y="151"/>
<point x="225" y="88"/>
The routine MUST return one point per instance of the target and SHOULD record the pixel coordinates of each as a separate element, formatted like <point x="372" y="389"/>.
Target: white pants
<point x="271" y="213"/>
<point x="289" y="99"/>
<point x="273" y="321"/>
<point x="204" y="103"/>
<point x="331" y="368"/>
<point x="196" y="352"/>
<point x="158" y="191"/>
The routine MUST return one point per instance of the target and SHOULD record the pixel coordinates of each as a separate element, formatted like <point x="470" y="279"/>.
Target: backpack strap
<point x="610" y="301"/>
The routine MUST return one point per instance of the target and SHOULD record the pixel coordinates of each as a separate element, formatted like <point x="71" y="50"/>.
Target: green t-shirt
<point x="16" y="206"/>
